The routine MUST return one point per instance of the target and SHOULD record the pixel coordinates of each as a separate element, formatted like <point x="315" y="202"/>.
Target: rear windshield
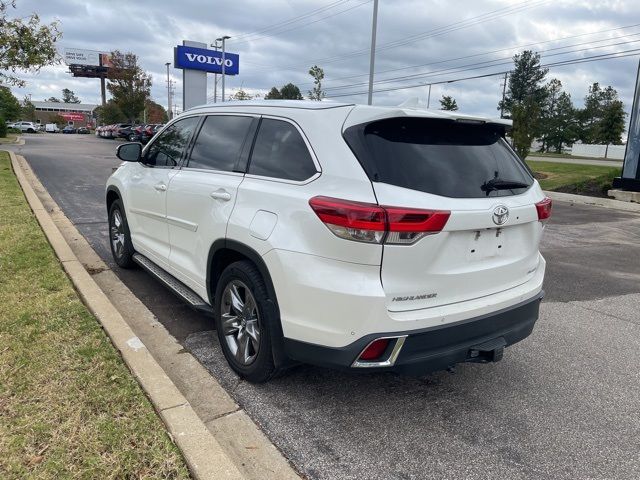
<point x="441" y="157"/>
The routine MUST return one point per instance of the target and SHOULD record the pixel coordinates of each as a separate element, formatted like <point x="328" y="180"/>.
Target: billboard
<point x="77" y="56"/>
<point x="193" y="58"/>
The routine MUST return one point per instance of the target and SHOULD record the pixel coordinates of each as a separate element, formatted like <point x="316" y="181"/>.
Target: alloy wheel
<point x="117" y="233"/>
<point x="240" y="322"/>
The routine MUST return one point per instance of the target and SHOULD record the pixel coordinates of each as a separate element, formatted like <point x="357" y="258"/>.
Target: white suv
<point x="341" y="235"/>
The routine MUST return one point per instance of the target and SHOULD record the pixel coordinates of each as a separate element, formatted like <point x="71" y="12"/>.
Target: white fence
<point x="598" y="151"/>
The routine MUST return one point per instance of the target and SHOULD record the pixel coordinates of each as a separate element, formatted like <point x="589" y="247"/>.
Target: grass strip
<point x="69" y="407"/>
<point x="574" y="178"/>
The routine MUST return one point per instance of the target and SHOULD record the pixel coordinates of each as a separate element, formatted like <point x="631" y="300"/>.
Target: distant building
<point x="77" y="114"/>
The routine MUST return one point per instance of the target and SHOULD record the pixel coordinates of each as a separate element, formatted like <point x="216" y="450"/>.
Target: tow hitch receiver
<point x="489" y="351"/>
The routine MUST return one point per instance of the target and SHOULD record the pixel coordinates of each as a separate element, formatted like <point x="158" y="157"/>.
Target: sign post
<point x="630" y="179"/>
<point x="196" y="61"/>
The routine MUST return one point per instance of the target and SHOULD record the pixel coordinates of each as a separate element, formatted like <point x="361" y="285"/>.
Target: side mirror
<point x="129" y="152"/>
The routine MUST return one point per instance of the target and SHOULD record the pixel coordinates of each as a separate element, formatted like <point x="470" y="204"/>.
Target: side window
<point x="220" y="142"/>
<point x="280" y="152"/>
<point x="167" y="149"/>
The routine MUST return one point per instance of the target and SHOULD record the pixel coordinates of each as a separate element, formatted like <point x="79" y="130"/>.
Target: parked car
<point x="51" y="128"/>
<point x="69" y="129"/>
<point x="83" y="130"/>
<point x="148" y="131"/>
<point x="354" y="237"/>
<point x="28" y="127"/>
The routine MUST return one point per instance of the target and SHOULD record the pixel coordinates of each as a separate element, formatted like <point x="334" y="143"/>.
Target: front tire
<point x="119" y="236"/>
<point x="245" y="323"/>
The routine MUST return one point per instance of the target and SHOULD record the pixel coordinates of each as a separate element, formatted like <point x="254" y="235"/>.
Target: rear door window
<point x="220" y="141"/>
<point x="441" y="157"/>
<point x="280" y="152"/>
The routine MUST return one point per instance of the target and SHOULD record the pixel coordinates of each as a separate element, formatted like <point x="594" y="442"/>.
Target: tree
<point x="241" y="95"/>
<point x="274" y="94"/>
<point x="290" y="92"/>
<point x="603" y="116"/>
<point x="28" y="110"/>
<point x="525" y="96"/>
<point x="110" y="113"/>
<point x="156" y="113"/>
<point x="526" y="118"/>
<point x="69" y="96"/>
<point x="53" y="100"/>
<point x="129" y="85"/>
<point x="448" y="103"/>
<point x="318" y="75"/>
<point x="25" y="44"/>
<point x="10" y="107"/>
<point x="561" y="126"/>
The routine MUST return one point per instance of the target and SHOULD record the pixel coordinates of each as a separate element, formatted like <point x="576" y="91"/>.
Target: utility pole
<point x="504" y="91"/>
<point x="215" y="76"/>
<point x="223" y="39"/>
<point x="168" y="91"/>
<point x="372" y="60"/>
<point x="429" y="97"/>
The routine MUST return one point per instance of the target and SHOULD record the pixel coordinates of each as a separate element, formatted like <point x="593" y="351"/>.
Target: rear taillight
<point x="371" y="223"/>
<point x="544" y="209"/>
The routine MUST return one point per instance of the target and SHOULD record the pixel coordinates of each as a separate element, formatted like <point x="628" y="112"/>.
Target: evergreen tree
<point x="10" y="107"/>
<point x="448" y="103"/>
<point x="525" y="98"/>
<point x="69" y="96"/>
<point x="274" y="94"/>
<point x="602" y="119"/>
<point x="290" y="92"/>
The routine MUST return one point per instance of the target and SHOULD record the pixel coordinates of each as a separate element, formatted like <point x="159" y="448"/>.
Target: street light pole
<point x="226" y="37"/>
<point x="168" y="92"/>
<point x="215" y="77"/>
<point x="373" y="50"/>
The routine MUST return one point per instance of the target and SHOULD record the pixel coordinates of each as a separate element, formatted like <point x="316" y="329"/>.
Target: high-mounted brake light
<point x="544" y="209"/>
<point x="371" y="223"/>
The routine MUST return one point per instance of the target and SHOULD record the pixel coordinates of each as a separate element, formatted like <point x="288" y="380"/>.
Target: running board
<point x="183" y="292"/>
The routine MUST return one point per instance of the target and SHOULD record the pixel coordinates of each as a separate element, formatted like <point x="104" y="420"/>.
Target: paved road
<point x="562" y="404"/>
<point x="577" y="161"/>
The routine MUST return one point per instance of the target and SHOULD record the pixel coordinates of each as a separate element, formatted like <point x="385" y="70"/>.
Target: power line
<point x="489" y="16"/>
<point x="517" y="47"/>
<point x="594" y="58"/>
<point x="488" y="63"/>
<point x="291" y="20"/>
<point x="302" y="25"/>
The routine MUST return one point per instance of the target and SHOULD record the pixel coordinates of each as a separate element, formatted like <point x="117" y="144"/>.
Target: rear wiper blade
<point x="498" y="184"/>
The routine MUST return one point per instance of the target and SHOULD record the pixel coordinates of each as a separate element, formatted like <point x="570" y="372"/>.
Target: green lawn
<point x="69" y="407"/>
<point x="564" y="176"/>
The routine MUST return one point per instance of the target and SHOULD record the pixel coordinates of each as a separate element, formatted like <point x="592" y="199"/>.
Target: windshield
<point x="441" y="157"/>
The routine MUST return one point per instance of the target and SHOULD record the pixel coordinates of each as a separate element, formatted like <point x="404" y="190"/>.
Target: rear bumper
<point x="479" y="339"/>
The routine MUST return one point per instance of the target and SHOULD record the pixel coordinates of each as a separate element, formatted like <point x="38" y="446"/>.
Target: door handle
<point x="161" y="187"/>
<point x="221" y="195"/>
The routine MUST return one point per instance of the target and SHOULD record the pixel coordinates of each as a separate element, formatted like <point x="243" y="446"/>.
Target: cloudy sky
<point x="419" y="42"/>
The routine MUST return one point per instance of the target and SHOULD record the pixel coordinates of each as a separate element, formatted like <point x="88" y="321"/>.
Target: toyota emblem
<point x="500" y="215"/>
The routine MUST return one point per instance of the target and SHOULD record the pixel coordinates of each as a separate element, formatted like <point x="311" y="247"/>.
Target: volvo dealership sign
<point x="192" y="58"/>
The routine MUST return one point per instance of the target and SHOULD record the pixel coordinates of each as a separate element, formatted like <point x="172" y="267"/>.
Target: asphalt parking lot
<point x="562" y="404"/>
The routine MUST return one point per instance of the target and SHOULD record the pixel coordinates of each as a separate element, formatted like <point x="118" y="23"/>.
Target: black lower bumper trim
<point x="479" y="339"/>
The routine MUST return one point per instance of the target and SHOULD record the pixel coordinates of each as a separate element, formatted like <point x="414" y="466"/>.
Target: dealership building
<point x="77" y="114"/>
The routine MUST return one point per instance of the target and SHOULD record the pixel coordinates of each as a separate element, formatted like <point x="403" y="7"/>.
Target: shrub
<point x="3" y="127"/>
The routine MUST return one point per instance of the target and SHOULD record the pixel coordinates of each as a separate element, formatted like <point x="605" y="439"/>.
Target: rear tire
<point x="119" y="236"/>
<point x="245" y="323"/>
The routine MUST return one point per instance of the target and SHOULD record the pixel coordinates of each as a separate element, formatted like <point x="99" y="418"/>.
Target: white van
<point x="51" y="128"/>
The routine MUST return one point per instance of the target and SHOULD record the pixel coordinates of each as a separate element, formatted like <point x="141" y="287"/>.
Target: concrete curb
<point x="204" y="456"/>
<point x="593" y="201"/>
